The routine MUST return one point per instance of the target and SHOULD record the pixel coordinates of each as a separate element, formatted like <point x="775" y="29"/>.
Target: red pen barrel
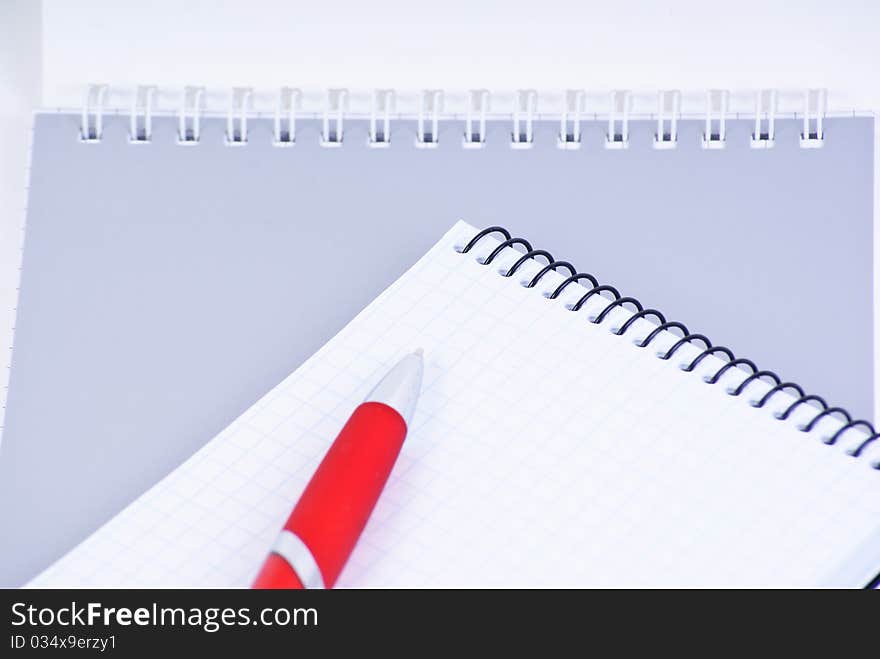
<point x="338" y="501"/>
<point x="277" y="573"/>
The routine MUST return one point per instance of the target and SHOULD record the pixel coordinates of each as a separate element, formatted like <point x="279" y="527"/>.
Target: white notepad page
<point x="545" y="451"/>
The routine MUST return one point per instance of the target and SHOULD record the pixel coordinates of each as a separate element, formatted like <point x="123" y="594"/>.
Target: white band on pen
<point x="292" y="549"/>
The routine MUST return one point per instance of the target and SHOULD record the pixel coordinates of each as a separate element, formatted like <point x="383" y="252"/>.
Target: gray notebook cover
<point x="166" y="288"/>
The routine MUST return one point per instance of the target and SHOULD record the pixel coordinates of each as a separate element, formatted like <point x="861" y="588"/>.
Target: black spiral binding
<point x="687" y="337"/>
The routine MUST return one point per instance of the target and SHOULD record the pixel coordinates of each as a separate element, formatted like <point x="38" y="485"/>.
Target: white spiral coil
<point x="385" y="108"/>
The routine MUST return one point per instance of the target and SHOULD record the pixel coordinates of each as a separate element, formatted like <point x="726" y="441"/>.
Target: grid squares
<point x="545" y="452"/>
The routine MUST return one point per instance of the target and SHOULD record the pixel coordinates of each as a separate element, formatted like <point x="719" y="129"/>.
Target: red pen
<point x="324" y="527"/>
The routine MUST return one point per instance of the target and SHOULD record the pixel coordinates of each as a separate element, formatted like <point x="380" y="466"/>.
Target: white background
<point x="49" y="50"/>
<point x="458" y="44"/>
<point x="20" y="70"/>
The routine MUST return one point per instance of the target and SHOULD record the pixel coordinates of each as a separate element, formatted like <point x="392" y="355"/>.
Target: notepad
<point x="552" y="445"/>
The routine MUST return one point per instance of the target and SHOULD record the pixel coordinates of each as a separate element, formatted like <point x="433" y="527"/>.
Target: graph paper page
<point x="545" y="451"/>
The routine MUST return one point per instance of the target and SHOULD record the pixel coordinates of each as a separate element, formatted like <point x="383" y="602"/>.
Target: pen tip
<point x="419" y="352"/>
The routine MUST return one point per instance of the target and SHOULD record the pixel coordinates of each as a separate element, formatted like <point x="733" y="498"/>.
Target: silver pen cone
<point x="400" y="388"/>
